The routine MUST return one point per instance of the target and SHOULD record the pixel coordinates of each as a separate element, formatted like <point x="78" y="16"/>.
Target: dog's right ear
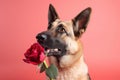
<point x="52" y="15"/>
<point x="80" y="22"/>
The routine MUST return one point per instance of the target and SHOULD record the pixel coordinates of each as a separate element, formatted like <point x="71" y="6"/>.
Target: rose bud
<point x="35" y="54"/>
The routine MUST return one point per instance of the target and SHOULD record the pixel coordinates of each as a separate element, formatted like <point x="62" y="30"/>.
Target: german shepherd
<point x="62" y="44"/>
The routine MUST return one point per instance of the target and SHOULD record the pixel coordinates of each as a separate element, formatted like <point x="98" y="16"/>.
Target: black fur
<point x="52" y="15"/>
<point x="48" y="41"/>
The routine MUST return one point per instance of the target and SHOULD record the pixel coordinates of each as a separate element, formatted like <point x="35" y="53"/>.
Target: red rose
<point x="35" y="54"/>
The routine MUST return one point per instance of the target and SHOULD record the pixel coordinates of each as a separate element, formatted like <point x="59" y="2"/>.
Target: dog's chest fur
<point x="77" y="72"/>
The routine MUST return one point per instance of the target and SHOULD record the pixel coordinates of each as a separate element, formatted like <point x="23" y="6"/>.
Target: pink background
<point x="21" y="20"/>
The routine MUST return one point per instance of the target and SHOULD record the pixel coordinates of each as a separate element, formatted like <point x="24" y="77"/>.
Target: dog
<point x="63" y="46"/>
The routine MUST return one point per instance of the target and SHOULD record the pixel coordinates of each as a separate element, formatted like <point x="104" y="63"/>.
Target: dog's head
<point x="61" y="40"/>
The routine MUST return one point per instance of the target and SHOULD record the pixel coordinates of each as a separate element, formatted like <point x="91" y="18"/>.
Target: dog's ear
<point x="80" y="22"/>
<point x="52" y="15"/>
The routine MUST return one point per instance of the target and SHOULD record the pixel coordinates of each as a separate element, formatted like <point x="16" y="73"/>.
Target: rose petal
<point x="42" y="57"/>
<point x="35" y="54"/>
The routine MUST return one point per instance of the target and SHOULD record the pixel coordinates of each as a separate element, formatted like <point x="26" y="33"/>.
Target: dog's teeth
<point x="51" y="50"/>
<point x="56" y="49"/>
<point x="48" y="50"/>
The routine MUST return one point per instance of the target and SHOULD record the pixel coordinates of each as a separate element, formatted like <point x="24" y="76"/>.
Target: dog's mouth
<point x="53" y="52"/>
<point x="57" y="51"/>
<point x="53" y="46"/>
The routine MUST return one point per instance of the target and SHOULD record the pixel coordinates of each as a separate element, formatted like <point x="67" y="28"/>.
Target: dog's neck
<point x="77" y="72"/>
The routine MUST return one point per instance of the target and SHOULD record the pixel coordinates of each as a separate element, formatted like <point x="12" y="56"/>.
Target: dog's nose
<point x="41" y="37"/>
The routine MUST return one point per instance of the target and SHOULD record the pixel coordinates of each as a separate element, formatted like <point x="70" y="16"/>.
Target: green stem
<point x="46" y="66"/>
<point x="44" y="62"/>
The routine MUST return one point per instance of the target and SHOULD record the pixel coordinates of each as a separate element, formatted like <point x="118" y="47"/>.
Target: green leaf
<point x="43" y="68"/>
<point x="52" y="71"/>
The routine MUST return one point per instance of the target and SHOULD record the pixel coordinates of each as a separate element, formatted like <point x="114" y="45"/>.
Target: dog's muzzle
<point x="53" y="46"/>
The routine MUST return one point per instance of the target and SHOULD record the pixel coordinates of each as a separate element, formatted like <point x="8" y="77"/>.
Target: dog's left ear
<point x="52" y="15"/>
<point x="80" y="22"/>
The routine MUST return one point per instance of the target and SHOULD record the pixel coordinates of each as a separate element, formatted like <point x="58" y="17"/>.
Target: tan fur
<point x="70" y="66"/>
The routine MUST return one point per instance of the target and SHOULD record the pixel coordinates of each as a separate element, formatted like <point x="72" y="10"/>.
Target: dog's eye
<point x="60" y="29"/>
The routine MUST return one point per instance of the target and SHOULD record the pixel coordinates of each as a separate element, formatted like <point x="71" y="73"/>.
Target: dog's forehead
<point x="67" y="23"/>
